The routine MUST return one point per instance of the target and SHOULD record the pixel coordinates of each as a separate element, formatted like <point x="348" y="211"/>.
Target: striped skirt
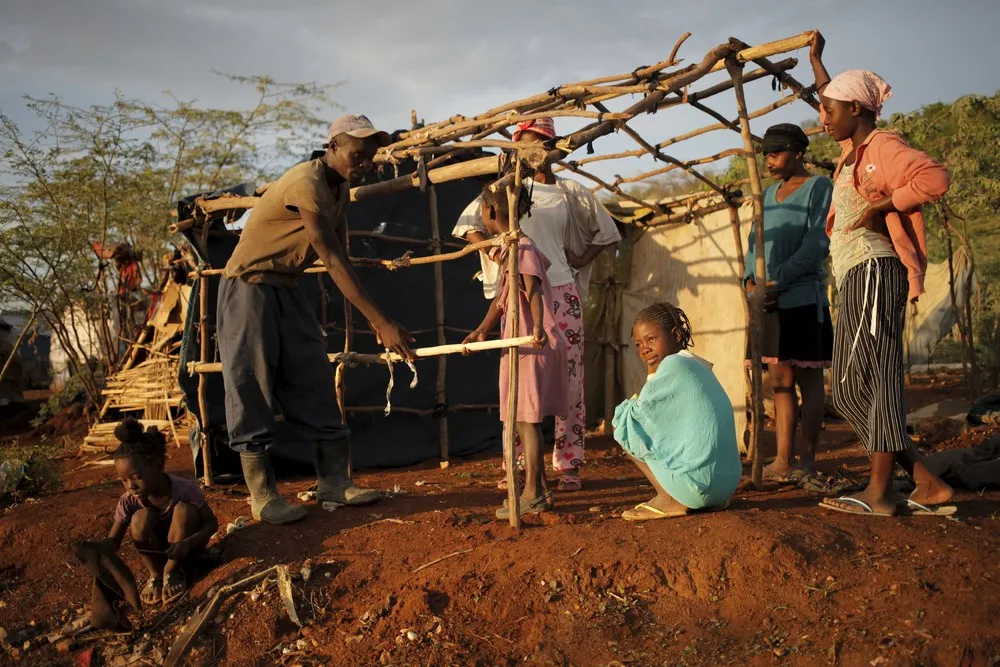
<point x="868" y="354"/>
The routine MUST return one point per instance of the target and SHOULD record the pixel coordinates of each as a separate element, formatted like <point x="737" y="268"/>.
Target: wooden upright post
<point x="760" y="276"/>
<point x="734" y="223"/>
<point x="513" y="354"/>
<point x="206" y="444"/>
<point x="610" y="349"/>
<point x="442" y="369"/>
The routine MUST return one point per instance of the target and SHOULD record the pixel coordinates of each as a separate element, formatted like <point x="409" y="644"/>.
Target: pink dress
<point x="542" y="389"/>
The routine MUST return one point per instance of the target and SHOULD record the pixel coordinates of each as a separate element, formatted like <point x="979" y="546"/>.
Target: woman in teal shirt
<point x="679" y="430"/>
<point x="798" y="334"/>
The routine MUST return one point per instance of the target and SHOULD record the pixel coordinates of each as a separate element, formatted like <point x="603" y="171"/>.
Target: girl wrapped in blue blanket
<point x="679" y="430"/>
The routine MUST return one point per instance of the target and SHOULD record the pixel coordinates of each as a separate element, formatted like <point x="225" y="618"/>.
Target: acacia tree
<point x="110" y="174"/>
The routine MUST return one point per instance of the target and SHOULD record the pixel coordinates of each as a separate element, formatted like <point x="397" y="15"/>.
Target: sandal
<point x="175" y="585"/>
<point x="913" y="508"/>
<point x="861" y="507"/>
<point x="570" y="483"/>
<point x="152" y="592"/>
<point x="542" y="503"/>
<point x="646" y="512"/>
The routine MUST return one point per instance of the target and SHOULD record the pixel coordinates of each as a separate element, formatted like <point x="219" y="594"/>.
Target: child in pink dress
<point x="542" y="390"/>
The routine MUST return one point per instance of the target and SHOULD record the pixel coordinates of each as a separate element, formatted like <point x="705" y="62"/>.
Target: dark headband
<point x="784" y="137"/>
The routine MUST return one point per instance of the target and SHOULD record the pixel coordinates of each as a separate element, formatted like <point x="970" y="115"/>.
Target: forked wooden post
<point x="442" y="369"/>
<point x="760" y="276"/>
<point x="513" y="355"/>
<point x="734" y="223"/>
<point x="610" y="349"/>
<point x="339" y="378"/>
<point x="206" y="444"/>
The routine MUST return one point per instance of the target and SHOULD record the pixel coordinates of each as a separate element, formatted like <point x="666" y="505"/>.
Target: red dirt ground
<point x="772" y="580"/>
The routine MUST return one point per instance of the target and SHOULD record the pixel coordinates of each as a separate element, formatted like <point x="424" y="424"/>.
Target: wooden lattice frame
<point x="435" y="147"/>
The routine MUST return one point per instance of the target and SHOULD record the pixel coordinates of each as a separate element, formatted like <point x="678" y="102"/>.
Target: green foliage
<point x="72" y="391"/>
<point x="41" y="475"/>
<point x="110" y="174"/>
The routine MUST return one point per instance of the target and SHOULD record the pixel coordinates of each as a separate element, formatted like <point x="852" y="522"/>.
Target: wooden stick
<point x="406" y="260"/>
<point x="442" y="558"/>
<point x="513" y="357"/>
<point x="610" y="352"/>
<point x="380" y="359"/>
<point x="206" y="445"/>
<point x="734" y="223"/>
<point x="757" y="306"/>
<point x="17" y="343"/>
<point x="182" y="645"/>
<point x="746" y="53"/>
<point x="439" y="311"/>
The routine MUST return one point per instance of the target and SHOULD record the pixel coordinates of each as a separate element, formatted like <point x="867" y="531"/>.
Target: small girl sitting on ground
<point x="679" y="430"/>
<point x="542" y="371"/>
<point x="167" y="516"/>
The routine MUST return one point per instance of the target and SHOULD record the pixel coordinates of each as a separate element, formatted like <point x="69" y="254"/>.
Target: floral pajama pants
<point x="570" y="429"/>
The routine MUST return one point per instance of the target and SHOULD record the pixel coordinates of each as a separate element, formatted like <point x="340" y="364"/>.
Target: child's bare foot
<point x="174" y="585"/>
<point x="864" y="502"/>
<point x="152" y="592"/>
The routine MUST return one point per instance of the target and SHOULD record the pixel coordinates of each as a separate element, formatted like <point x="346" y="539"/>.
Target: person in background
<point x="570" y="228"/>
<point x="798" y="331"/>
<point x="542" y="370"/>
<point x="679" y="430"/>
<point x="879" y="254"/>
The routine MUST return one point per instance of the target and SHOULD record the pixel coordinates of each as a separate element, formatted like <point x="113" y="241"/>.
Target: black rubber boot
<point x="265" y="503"/>
<point x="334" y="482"/>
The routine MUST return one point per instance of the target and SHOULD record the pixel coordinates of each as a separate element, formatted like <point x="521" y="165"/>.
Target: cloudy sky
<point x="443" y="57"/>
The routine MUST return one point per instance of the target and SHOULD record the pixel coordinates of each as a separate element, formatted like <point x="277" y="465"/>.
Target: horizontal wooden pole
<point x="747" y="53"/>
<point x="405" y="260"/>
<point x="195" y="367"/>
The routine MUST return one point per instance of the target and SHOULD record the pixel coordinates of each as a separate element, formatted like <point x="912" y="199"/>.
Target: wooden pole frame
<point x="206" y="443"/>
<point x="440" y="317"/>
<point x="513" y="355"/>
<point x="735" y="69"/>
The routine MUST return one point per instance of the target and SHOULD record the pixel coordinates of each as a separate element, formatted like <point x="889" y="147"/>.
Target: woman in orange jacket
<point x="879" y="255"/>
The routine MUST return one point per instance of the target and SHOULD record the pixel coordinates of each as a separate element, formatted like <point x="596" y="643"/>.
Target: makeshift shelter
<point x="446" y="152"/>
<point x="463" y="397"/>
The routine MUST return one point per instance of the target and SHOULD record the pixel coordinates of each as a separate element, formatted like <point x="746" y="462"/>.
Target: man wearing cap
<point x="272" y="348"/>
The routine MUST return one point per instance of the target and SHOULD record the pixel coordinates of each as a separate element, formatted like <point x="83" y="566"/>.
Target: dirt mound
<point x="428" y="577"/>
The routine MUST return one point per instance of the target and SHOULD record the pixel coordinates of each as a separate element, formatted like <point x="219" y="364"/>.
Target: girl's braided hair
<point x="497" y="202"/>
<point x="150" y="444"/>
<point x="671" y="318"/>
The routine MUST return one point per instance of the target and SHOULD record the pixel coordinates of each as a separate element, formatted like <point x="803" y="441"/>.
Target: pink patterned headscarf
<point x="859" y="85"/>
<point x="543" y="126"/>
